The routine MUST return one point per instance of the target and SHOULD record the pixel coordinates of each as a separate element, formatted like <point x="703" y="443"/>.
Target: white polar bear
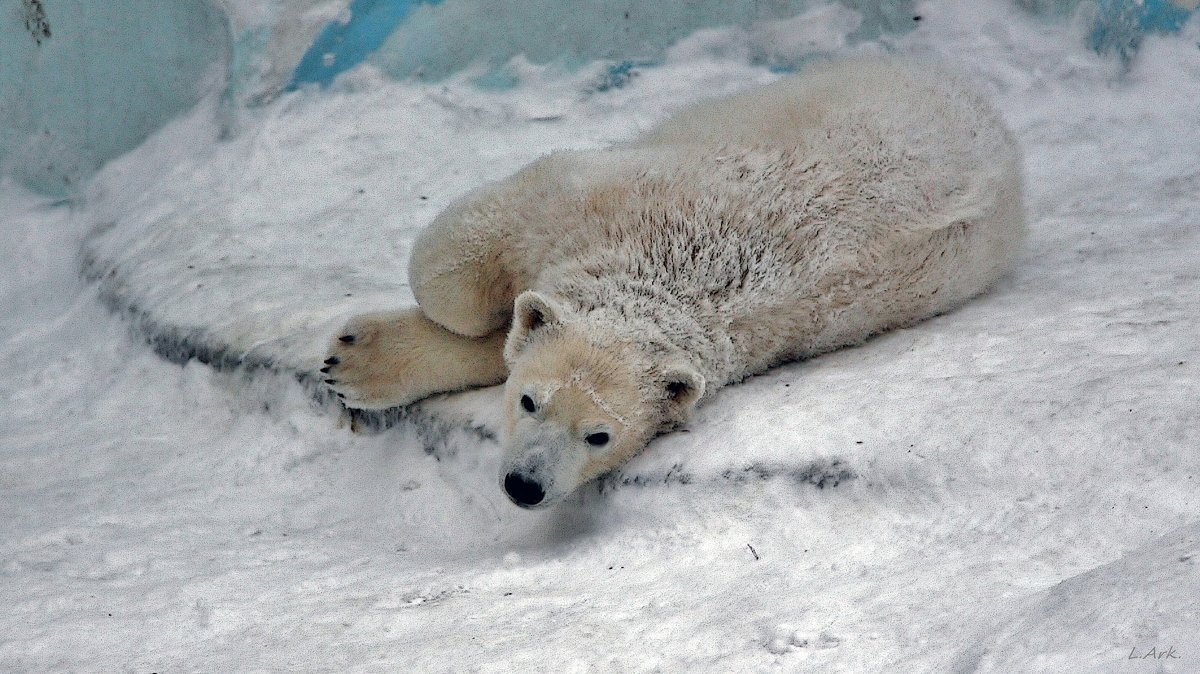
<point x="614" y="289"/>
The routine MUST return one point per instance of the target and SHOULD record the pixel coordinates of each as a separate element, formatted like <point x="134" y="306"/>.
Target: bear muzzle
<point x="541" y="468"/>
<point x="523" y="490"/>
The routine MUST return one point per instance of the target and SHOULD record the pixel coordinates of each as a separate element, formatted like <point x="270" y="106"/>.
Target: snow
<point x="1010" y="487"/>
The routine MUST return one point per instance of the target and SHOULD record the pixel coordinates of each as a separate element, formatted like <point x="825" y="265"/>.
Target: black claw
<point x="349" y="339"/>
<point x="325" y="370"/>
<point x="332" y="360"/>
<point x="342" y="396"/>
<point x="331" y="382"/>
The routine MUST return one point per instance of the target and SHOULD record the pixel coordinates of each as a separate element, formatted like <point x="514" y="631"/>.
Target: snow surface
<point x="1011" y="487"/>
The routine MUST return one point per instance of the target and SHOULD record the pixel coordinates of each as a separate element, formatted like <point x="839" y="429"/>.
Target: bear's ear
<point x="683" y="386"/>
<point x="531" y="312"/>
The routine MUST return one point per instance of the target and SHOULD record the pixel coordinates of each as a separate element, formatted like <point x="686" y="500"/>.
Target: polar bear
<point x="615" y="289"/>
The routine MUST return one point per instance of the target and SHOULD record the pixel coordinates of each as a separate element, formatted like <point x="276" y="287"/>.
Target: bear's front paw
<point x="371" y="363"/>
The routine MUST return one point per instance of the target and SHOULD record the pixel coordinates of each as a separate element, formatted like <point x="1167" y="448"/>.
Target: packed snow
<point x="1009" y="487"/>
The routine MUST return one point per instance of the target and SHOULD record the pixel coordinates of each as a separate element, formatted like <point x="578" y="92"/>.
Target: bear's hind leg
<point x="388" y="360"/>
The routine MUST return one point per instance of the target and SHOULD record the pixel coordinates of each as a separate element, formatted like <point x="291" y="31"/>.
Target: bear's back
<point x="826" y="207"/>
<point x="935" y="111"/>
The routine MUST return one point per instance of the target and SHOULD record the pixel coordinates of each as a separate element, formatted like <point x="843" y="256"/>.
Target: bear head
<point x="581" y="400"/>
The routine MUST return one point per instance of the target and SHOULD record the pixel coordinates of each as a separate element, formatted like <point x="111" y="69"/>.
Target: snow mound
<point x="252" y="252"/>
<point x="253" y="255"/>
<point x="1099" y="621"/>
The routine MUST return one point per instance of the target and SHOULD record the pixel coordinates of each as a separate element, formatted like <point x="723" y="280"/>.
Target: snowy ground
<point x="1015" y="485"/>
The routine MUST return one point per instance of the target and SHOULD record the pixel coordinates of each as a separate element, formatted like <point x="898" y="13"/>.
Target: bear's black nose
<point x="523" y="491"/>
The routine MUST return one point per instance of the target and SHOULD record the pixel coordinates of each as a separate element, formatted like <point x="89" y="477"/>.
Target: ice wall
<point x="83" y="81"/>
<point x="1121" y="24"/>
<point x="431" y="39"/>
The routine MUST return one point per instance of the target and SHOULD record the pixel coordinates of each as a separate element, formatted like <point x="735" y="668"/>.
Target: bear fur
<point x="614" y="289"/>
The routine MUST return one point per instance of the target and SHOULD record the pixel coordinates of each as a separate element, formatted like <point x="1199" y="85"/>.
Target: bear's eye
<point x="527" y="404"/>
<point x="597" y="439"/>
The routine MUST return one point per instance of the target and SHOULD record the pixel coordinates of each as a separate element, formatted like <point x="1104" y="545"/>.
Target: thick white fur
<point x="778" y="224"/>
